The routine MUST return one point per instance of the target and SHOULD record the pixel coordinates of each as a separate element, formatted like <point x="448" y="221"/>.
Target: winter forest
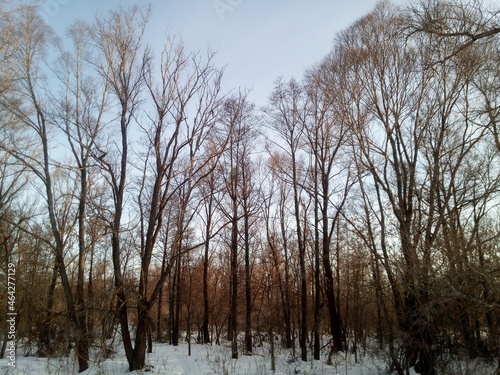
<point x="355" y="214"/>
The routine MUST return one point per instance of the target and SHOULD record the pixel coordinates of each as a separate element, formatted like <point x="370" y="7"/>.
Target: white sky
<point x="257" y="40"/>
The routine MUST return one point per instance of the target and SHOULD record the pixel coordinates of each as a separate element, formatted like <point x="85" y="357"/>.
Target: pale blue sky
<point x="257" y="40"/>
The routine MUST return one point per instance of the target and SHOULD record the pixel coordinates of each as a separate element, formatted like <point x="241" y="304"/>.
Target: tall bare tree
<point x="80" y="115"/>
<point x="122" y="64"/>
<point x="210" y="192"/>
<point x="285" y="116"/>
<point x="29" y="105"/>
<point x="173" y="161"/>
<point x="276" y="202"/>
<point x="237" y="117"/>
<point x="327" y="134"/>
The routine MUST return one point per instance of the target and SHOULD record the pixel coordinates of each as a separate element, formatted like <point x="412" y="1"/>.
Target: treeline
<point x="359" y="208"/>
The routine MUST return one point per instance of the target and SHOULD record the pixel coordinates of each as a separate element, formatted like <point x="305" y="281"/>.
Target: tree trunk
<point x="248" y="296"/>
<point x="286" y="302"/>
<point x="335" y="320"/>
<point x="303" y="276"/>
<point x="206" y="307"/>
<point x="176" y="303"/>
<point x="160" y="294"/>
<point x="90" y="294"/>
<point x="139" y="353"/>
<point x="234" y="278"/>
<point x="82" y="343"/>
<point x="317" y="286"/>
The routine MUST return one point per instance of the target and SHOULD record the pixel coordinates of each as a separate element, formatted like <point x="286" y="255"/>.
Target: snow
<point x="205" y="359"/>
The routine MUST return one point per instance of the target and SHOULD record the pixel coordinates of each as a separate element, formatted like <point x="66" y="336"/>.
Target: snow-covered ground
<point x="205" y="359"/>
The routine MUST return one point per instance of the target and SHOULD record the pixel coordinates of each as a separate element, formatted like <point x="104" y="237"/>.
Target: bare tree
<point x="80" y="114"/>
<point x="327" y="132"/>
<point x="408" y="90"/>
<point x="276" y="201"/>
<point x="463" y="23"/>
<point x="284" y="114"/>
<point x="27" y="104"/>
<point x="122" y="65"/>
<point x="210" y="191"/>
<point x="172" y="163"/>
<point x="394" y="93"/>
<point x="237" y="118"/>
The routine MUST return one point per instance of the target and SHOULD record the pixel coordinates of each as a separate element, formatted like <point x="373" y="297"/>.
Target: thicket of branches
<point x="358" y="209"/>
